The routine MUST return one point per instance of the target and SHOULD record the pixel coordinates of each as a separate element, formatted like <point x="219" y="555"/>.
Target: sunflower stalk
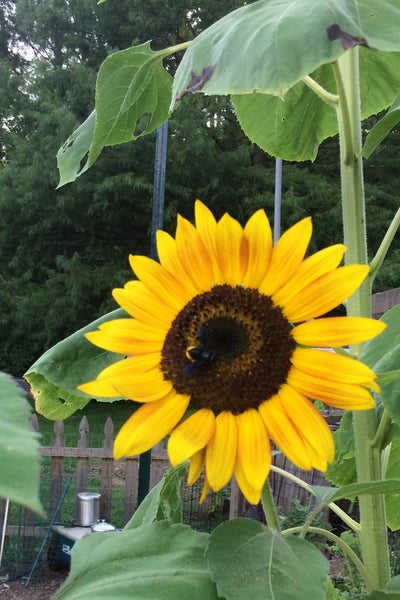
<point x="373" y="532"/>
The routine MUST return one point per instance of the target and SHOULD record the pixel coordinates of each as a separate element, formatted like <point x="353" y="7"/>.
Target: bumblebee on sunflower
<point x="224" y="350"/>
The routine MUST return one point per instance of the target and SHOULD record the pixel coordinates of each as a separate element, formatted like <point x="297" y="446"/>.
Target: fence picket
<point x="82" y="463"/>
<point x="106" y="476"/>
<point x="57" y="468"/>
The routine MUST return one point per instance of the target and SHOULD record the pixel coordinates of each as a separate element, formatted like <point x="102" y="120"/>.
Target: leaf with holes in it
<point x="54" y="377"/>
<point x="19" y="445"/>
<point x="248" y="560"/>
<point x="72" y="153"/>
<point x="133" y="92"/>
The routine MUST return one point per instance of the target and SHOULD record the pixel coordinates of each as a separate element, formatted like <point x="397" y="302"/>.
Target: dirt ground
<point x="38" y="589"/>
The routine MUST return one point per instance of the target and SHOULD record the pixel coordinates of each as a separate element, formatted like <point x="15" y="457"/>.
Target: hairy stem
<point x="373" y="535"/>
<point x="331" y="99"/>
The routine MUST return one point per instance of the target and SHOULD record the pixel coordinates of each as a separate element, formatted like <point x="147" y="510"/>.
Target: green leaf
<point x="371" y="487"/>
<point x="291" y="129"/>
<point x="343" y="469"/>
<point x="270" y="45"/>
<point x="264" y="42"/>
<point x="381" y="129"/>
<point x="247" y="560"/>
<point x="388" y="340"/>
<point x="131" y="84"/>
<point x="74" y="150"/>
<point x="152" y="562"/>
<point x="382" y="354"/>
<point x="54" y="377"/>
<point x="19" y="446"/>
<point x="163" y="502"/>
<point x="379" y="595"/>
<point x="392" y="591"/>
<point x="392" y="501"/>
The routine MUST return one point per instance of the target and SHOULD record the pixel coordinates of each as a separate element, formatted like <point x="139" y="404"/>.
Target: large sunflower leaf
<point x="294" y="127"/>
<point x="54" y="377"/>
<point x="291" y="129"/>
<point x="19" y="445"/>
<point x="163" y="502"/>
<point x="152" y="562"/>
<point x="131" y="84"/>
<point x="270" y="45"/>
<point x="247" y="560"/>
<point x="133" y="93"/>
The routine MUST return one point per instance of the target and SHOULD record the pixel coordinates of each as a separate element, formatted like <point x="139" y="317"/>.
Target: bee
<point x="200" y="355"/>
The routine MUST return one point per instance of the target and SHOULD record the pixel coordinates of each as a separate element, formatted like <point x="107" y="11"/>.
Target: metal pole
<point x="156" y="223"/>
<point x="278" y="199"/>
<point x="3" y="533"/>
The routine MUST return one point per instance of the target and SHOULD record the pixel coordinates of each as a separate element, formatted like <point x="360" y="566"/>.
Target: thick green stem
<point x="373" y="533"/>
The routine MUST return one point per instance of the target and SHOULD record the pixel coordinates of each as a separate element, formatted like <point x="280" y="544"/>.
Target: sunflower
<point x="224" y="350"/>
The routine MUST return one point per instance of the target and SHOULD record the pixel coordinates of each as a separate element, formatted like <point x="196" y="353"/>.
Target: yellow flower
<point x="225" y="326"/>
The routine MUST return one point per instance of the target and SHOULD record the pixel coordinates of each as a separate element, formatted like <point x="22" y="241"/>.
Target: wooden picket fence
<point x="284" y="490"/>
<point x="58" y="452"/>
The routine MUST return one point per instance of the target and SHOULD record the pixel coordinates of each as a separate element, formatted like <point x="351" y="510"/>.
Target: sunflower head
<point x="226" y="324"/>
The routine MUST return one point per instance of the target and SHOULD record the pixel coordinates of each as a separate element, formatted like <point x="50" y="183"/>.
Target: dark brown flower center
<point x="229" y="349"/>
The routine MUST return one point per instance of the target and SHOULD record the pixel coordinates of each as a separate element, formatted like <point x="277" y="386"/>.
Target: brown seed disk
<point x="246" y="345"/>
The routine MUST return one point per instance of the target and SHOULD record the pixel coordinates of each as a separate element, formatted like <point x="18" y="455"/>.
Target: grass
<point x="96" y="414"/>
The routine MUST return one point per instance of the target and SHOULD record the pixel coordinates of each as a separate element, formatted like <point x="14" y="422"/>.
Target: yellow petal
<point x="141" y="304"/>
<point x="326" y="293"/>
<point x="206" y="225"/>
<point x="191" y="436"/>
<point x="311" y="425"/>
<point x="287" y="256"/>
<point x="149" y="425"/>
<point x="332" y="332"/>
<point x="168" y="255"/>
<point x="128" y="336"/>
<point x="284" y="432"/>
<point x="340" y="395"/>
<point x="196" y="466"/>
<point x="104" y="384"/>
<point x="143" y="387"/>
<point x="253" y="459"/>
<point x="205" y="490"/>
<point x="121" y="345"/>
<point x="229" y="247"/>
<point x="221" y="451"/>
<point x="193" y="255"/>
<point x="160" y="281"/>
<point x="310" y="269"/>
<point x="331" y="366"/>
<point x="133" y="329"/>
<point x="259" y="237"/>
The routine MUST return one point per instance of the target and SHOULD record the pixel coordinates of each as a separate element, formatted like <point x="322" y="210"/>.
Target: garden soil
<point x="42" y="588"/>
